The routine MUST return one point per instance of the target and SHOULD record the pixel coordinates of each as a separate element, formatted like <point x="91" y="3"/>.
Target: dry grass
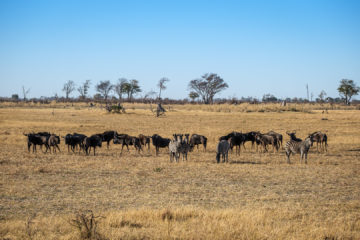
<point x="140" y="196"/>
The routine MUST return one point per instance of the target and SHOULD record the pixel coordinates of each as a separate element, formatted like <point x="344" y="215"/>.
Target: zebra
<point x="222" y="149"/>
<point x="184" y="146"/>
<point x="174" y="147"/>
<point x="302" y="147"/>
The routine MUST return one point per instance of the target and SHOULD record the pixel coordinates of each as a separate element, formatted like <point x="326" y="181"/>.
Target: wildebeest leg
<point x="108" y="144"/>
<point x="94" y="150"/>
<point x="57" y="147"/>
<point x="29" y="145"/>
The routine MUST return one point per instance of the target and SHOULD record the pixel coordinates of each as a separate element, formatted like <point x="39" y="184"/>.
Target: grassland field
<point x="141" y="196"/>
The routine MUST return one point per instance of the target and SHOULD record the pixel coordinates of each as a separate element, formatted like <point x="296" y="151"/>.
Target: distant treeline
<point x="235" y="101"/>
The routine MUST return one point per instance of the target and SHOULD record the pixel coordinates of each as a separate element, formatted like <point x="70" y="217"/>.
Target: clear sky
<point x="257" y="47"/>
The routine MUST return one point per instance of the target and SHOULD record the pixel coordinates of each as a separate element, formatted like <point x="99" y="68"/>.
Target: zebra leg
<point x="305" y="158"/>
<point x="288" y="156"/>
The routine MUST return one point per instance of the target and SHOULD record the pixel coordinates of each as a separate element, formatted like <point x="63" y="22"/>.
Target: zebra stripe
<point x="294" y="147"/>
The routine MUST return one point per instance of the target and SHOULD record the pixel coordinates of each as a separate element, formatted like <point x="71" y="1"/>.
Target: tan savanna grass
<point x="255" y="196"/>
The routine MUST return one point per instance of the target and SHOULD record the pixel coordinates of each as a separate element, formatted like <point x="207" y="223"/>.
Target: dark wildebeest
<point x="321" y="138"/>
<point x="251" y="137"/>
<point x="222" y="149"/>
<point x="159" y="142"/>
<point x="278" y="137"/>
<point x="74" y="141"/>
<point x="265" y="140"/>
<point x="293" y="137"/>
<point x="302" y="147"/>
<point x="36" y="139"/>
<point x="235" y="139"/>
<point x="144" y="140"/>
<point x="92" y="142"/>
<point x="107" y="137"/>
<point x="53" y="141"/>
<point x="127" y="140"/>
<point x="196" y="140"/>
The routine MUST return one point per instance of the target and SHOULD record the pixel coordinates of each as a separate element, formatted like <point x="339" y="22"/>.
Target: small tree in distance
<point x="25" y="92"/>
<point x="161" y="85"/>
<point x="68" y="88"/>
<point x="120" y="87"/>
<point x="193" y="96"/>
<point x="104" y="88"/>
<point x="347" y="89"/>
<point x="84" y="88"/>
<point x="208" y="86"/>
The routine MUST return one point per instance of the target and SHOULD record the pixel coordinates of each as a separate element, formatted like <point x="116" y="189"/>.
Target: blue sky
<point x="257" y="47"/>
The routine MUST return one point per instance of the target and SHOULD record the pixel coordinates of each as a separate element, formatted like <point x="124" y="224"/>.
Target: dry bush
<point x="86" y="223"/>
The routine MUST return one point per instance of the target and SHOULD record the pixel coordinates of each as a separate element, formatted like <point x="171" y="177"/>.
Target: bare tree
<point x="347" y="89"/>
<point x="208" y="86"/>
<point x="104" y="88"/>
<point x="161" y="85"/>
<point x="120" y="87"/>
<point x="84" y="88"/>
<point x="25" y="92"/>
<point x="68" y="88"/>
<point x="322" y="96"/>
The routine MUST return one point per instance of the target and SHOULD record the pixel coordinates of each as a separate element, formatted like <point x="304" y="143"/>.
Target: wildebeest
<point x="107" y="137"/>
<point x="34" y="139"/>
<point x="92" y="142"/>
<point x="75" y="140"/>
<point x="278" y="137"/>
<point x="144" y="140"/>
<point x="53" y="142"/>
<point x="127" y="140"/>
<point x="293" y="147"/>
<point x="222" y="149"/>
<point x="196" y="140"/>
<point x="321" y="138"/>
<point x="235" y="139"/>
<point x="265" y="140"/>
<point x="250" y="136"/>
<point x="159" y="142"/>
<point x="293" y="137"/>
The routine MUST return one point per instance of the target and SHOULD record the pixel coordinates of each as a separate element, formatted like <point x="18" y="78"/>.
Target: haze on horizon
<point x="257" y="47"/>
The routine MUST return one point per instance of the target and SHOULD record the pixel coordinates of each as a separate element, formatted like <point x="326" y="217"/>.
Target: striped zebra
<point x="185" y="146"/>
<point x="174" y="147"/>
<point x="298" y="147"/>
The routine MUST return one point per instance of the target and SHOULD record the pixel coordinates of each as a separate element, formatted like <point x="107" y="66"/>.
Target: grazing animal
<point x="278" y="137"/>
<point x="293" y="137"/>
<point x="34" y="139"/>
<point x="159" y="142"/>
<point x="174" y="148"/>
<point x="127" y="140"/>
<point x="53" y="142"/>
<point x="265" y="140"/>
<point x="237" y="139"/>
<point x="144" y="140"/>
<point x="92" y="142"/>
<point x="251" y="137"/>
<point x="222" y="149"/>
<point x="107" y="137"/>
<point x="321" y="138"/>
<point x="184" y="146"/>
<point x="196" y="140"/>
<point x="74" y="141"/>
<point x="293" y="147"/>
